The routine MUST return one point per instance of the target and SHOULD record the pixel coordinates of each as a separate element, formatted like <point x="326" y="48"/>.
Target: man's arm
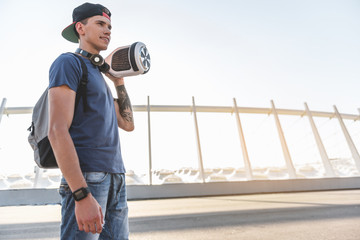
<point x="62" y="103"/>
<point x="122" y="105"/>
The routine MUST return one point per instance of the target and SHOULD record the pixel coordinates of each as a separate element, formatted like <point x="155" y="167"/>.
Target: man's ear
<point x="79" y="28"/>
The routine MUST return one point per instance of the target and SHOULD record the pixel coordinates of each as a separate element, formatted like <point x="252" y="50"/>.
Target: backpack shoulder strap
<point x="81" y="92"/>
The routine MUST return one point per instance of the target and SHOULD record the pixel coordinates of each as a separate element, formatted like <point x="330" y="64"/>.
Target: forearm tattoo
<point x="124" y="104"/>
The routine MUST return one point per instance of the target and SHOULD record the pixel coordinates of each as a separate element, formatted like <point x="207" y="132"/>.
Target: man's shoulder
<point x="66" y="61"/>
<point x="65" y="66"/>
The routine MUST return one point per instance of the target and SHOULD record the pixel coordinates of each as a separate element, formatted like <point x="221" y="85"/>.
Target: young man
<point x="85" y="141"/>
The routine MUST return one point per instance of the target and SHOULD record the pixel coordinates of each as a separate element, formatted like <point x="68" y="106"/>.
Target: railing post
<point x="324" y="157"/>
<point x="247" y="163"/>
<point x="2" y="108"/>
<point x="289" y="164"/>
<point x="354" y="152"/>
<point x="201" y="166"/>
<point x="149" y="141"/>
<point x="37" y="176"/>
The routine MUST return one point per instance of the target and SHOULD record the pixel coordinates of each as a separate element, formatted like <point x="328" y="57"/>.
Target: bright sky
<point x="255" y="50"/>
<point x="258" y="50"/>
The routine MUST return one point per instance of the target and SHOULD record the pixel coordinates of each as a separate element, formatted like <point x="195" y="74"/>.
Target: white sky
<point x="288" y="51"/>
<point x="255" y="50"/>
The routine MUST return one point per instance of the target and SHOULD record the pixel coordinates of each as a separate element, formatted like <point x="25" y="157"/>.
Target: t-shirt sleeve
<point x="66" y="70"/>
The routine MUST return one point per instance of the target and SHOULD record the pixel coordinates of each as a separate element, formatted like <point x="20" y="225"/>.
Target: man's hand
<point x="89" y="215"/>
<point x="117" y="81"/>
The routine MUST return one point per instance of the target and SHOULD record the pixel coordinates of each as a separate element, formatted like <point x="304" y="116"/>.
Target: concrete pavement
<point x="296" y="216"/>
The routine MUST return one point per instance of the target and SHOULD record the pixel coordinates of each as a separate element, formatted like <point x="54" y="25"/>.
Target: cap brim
<point x="69" y="33"/>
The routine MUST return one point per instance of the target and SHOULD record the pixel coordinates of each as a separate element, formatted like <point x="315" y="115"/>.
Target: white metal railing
<point x="238" y="111"/>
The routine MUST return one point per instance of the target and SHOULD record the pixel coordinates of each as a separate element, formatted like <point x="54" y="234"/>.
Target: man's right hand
<point x="89" y="215"/>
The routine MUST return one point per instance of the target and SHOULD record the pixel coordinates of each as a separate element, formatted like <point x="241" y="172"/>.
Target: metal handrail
<point x="240" y="110"/>
<point x="209" y="109"/>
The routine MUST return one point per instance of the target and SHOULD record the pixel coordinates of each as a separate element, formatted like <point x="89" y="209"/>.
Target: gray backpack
<point x="38" y="139"/>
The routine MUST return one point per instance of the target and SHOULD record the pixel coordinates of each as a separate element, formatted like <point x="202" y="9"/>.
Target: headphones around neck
<point x="95" y="59"/>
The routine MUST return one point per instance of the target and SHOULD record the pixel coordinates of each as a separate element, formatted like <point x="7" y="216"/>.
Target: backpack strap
<point x="81" y="92"/>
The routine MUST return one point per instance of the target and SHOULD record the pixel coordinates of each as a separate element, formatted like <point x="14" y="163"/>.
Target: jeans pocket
<point x="95" y="177"/>
<point x="64" y="189"/>
<point x="65" y="194"/>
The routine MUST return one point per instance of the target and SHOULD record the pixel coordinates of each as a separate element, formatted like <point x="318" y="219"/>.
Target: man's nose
<point x="108" y="31"/>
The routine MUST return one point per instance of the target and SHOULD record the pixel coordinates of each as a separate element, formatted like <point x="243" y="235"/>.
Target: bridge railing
<point x="238" y="111"/>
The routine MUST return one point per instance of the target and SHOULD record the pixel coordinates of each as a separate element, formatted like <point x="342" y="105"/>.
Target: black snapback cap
<point x="80" y="13"/>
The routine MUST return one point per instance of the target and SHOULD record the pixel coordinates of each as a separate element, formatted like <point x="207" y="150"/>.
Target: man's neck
<point x="89" y="48"/>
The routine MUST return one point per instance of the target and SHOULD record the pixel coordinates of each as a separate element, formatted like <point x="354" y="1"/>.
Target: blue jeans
<point x="110" y="192"/>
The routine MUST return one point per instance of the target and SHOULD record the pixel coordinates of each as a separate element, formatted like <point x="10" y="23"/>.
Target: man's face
<point x="96" y="33"/>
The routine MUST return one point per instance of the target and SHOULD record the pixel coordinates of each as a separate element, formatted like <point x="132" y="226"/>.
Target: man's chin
<point x="103" y="48"/>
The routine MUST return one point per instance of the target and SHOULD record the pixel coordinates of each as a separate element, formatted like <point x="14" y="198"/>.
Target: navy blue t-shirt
<point x="94" y="132"/>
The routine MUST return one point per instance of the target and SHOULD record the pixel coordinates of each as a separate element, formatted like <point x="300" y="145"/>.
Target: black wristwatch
<point x="81" y="193"/>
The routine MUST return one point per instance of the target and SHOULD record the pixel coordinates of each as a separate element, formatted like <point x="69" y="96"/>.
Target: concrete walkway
<point x="287" y="216"/>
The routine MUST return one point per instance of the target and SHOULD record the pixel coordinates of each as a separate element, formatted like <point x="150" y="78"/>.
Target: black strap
<point x="81" y="92"/>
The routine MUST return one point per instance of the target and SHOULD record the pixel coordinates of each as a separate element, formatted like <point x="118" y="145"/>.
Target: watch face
<point x="79" y="194"/>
